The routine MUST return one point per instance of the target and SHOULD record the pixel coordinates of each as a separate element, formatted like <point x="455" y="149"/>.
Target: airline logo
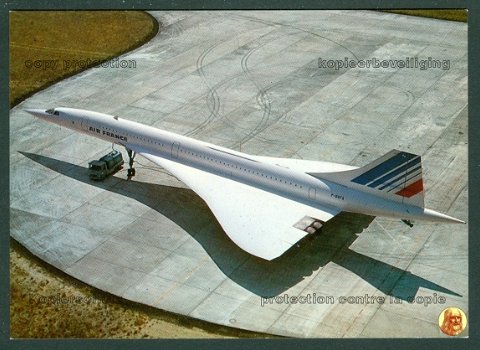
<point x="400" y="174"/>
<point x="107" y="133"/>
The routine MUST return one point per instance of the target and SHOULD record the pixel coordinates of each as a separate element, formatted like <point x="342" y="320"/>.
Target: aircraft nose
<point x="36" y="112"/>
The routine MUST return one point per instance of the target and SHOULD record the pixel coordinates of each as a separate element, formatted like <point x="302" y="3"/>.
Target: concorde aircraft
<point x="265" y="205"/>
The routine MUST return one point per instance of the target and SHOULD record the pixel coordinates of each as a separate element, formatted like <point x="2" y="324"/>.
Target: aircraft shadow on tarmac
<point x="263" y="278"/>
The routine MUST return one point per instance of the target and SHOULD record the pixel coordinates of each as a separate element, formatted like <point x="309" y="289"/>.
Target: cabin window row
<point x="219" y="162"/>
<point x="241" y="169"/>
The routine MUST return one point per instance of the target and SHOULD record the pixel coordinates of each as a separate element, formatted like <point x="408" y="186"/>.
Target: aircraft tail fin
<point x="396" y="175"/>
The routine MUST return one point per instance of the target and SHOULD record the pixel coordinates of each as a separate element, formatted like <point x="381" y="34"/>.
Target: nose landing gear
<point x="131" y="170"/>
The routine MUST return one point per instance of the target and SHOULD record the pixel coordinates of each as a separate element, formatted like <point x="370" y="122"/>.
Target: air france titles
<point x="108" y="133"/>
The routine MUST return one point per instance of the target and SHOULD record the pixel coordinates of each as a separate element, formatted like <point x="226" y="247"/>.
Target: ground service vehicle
<point x="109" y="163"/>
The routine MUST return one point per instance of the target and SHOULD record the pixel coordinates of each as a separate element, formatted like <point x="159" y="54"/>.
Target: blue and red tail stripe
<point x="401" y="172"/>
<point x="411" y="189"/>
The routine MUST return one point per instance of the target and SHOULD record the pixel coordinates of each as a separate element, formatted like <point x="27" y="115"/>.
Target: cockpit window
<point x="52" y="111"/>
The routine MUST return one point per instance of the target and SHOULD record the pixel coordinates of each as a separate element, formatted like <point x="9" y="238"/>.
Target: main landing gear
<point x="131" y="170"/>
<point x="408" y="222"/>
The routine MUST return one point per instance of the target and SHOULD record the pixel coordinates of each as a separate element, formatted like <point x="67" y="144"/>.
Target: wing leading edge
<point x="261" y="223"/>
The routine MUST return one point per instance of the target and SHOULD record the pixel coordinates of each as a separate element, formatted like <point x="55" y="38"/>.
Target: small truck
<point x="108" y="164"/>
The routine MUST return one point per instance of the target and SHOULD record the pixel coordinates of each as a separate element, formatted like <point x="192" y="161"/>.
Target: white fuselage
<point x="231" y="164"/>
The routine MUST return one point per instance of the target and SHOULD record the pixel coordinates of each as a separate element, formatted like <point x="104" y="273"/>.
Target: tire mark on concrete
<point x="262" y="98"/>
<point x="212" y="98"/>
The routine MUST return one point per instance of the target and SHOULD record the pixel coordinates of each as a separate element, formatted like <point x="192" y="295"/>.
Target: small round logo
<point x="452" y="321"/>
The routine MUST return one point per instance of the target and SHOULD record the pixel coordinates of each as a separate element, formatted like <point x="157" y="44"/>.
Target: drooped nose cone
<point x="36" y="112"/>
